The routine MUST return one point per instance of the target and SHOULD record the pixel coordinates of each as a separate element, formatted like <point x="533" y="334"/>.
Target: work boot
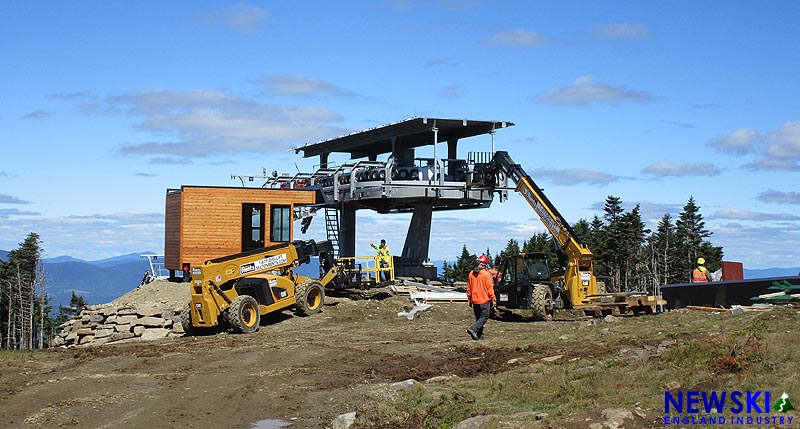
<point x="473" y="334"/>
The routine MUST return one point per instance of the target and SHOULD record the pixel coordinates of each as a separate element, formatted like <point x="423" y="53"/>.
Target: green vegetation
<point x="626" y="364"/>
<point x="25" y="321"/>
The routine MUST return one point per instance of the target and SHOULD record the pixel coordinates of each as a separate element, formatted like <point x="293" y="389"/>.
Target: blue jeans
<point x="481" y="317"/>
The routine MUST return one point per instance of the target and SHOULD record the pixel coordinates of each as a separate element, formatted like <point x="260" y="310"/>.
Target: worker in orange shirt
<point x="480" y="295"/>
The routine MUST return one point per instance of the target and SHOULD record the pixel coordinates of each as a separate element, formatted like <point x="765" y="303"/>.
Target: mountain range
<point x="97" y="282"/>
<point x="105" y="280"/>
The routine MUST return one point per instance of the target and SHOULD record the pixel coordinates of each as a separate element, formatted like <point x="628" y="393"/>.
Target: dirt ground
<point x="301" y="370"/>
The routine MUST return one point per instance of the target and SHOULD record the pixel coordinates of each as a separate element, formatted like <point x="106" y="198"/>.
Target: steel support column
<point x="347" y="230"/>
<point x="415" y="249"/>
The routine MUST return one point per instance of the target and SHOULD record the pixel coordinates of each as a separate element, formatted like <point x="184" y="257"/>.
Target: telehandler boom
<point x="236" y="290"/>
<point x="527" y="281"/>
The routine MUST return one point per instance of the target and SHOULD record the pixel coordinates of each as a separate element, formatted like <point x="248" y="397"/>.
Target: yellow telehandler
<point x="236" y="290"/>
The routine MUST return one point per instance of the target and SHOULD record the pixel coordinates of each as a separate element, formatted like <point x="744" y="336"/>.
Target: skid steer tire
<point x="243" y="314"/>
<point x="186" y="321"/>
<point x="310" y="296"/>
<point x="542" y="303"/>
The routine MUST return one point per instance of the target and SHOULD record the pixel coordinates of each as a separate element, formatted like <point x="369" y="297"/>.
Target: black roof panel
<point x="409" y="133"/>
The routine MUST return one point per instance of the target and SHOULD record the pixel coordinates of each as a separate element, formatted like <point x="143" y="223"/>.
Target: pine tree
<point x="612" y="257"/>
<point x="632" y="263"/>
<point x="661" y="248"/>
<point x="690" y="234"/>
<point x="464" y="264"/>
<point x="76" y="305"/>
<point x="542" y="242"/>
<point x="19" y="280"/>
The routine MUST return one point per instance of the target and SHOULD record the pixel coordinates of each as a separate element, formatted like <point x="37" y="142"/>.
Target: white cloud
<point x="669" y="169"/>
<point x="205" y="123"/>
<point x="585" y="90"/>
<point x="773" y="196"/>
<point x="518" y="37"/>
<point x="787" y="142"/>
<point x="773" y="164"/>
<point x="9" y="199"/>
<point x="38" y="114"/>
<point x="573" y="176"/>
<point x="245" y="18"/>
<point x="6" y="213"/>
<point x="623" y="31"/>
<point x="739" y="142"/>
<point x="739" y="214"/>
<point x="242" y="18"/>
<point x="778" y="150"/>
<point x="292" y="84"/>
<point x="755" y="244"/>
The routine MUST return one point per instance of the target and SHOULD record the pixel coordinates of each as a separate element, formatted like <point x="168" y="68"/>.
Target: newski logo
<point x="735" y="407"/>
<point x="263" y="264"/>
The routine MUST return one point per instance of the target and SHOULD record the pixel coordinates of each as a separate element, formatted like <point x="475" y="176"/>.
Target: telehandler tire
<point x="310" y="296"/>
<point x="542" y="303"/>
<point x="243" y="314"/>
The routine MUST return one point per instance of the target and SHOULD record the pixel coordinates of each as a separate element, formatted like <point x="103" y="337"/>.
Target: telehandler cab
<point x="236" y="290"/>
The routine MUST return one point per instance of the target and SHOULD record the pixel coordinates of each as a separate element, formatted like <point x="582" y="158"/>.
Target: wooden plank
<point x="701" y="308"/>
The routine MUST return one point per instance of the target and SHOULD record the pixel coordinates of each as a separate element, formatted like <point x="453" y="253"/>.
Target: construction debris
<point x="735" y="309"/>
<point x="422" y="294"/>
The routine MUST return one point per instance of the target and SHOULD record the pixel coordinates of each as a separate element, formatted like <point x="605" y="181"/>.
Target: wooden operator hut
<point x="203" y="223"/>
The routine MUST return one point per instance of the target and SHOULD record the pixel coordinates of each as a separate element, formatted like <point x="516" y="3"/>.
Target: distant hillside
<point x="3" y="255"/>
<point x="96" y="284"/>
<point x="771" y="272"/>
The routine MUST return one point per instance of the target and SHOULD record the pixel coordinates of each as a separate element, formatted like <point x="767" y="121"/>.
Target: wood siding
<point x="209" y="220"/>
<point x="172" y="230"/>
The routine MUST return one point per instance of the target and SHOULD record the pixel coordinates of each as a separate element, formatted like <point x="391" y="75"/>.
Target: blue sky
<point x="105" y="105"/>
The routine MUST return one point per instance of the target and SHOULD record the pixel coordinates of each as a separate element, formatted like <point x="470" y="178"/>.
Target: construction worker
<point x="384" y="255"/>
<point x="480" y="295"/>
<point x="496" y="275"/>
<point x="701" y="274"/>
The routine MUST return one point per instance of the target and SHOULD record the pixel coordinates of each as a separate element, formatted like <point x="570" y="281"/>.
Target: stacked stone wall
<point x="104" y="325"/>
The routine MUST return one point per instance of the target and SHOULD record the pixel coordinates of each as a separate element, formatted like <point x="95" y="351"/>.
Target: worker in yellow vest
<point x="701" y="274"/>
<point x="383" y="259"/>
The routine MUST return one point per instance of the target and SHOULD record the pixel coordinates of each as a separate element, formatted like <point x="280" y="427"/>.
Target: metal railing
<point x="366" y="268"/>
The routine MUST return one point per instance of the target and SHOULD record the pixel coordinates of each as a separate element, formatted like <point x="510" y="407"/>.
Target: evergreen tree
<point x="21" y="315"/>
<point x="661" y="250"/>
<point x="596" y="240"/>
<point x="633" y="267"/>
<point x="464" y="264"/>
<point x="612" y="257"/>
<point x="542" y="242"/>
<point x="76" y="305"/>
<point x="447" y="272"/>
<point x="691" y="234"/>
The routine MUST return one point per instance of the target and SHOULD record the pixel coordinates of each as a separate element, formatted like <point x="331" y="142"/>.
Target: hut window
<point x="252" y="226"/>
<point x="280" y="222"/>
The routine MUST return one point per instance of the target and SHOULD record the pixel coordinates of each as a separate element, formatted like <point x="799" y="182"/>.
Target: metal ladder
<point x="332" y="228"/>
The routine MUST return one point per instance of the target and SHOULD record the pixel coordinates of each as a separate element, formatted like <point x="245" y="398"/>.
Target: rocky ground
<point x="303" y="372"/>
